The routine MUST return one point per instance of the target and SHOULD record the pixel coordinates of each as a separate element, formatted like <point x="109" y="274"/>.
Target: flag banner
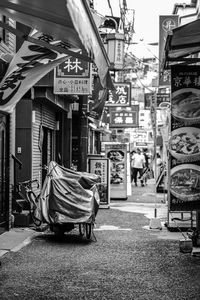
<point x="98" y="99"/>
<point x="153" y="111"/>
<point x="97" y="110"/>
<point x="28" y="66"/>
<point x="153" y="114"/>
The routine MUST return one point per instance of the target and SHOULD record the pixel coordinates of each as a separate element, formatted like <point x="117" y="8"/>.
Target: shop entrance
<point x="4" y="183"/>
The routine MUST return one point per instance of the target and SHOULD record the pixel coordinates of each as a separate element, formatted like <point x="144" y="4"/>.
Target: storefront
<point x="66" y="34"/>
<point x="181" y="58"/>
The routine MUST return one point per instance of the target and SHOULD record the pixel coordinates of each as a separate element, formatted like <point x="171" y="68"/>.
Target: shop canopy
<point x="67" y="21"/>
<point x="181" y="44"/>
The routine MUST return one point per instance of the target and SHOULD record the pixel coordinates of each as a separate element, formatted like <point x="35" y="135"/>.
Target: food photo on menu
<point x="185" y="182"/>
<point x="117" y="166"/>
<point x="186" y="105"/>
<point x="116" y="155"/>
<point x="185" y="144"/>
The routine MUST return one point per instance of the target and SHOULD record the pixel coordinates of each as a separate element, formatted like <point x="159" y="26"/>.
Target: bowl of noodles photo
<point x="185" y="182"/>
<point x="185" y="144"/>
<point x="185" y="105"/>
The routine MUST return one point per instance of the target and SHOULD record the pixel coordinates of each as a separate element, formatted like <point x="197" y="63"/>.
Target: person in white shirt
<point x="137" y="165"/>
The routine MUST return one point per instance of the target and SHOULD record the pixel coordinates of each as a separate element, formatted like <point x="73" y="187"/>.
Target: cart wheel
<point x="81" y="229"/>
<point x="88" y="227"/>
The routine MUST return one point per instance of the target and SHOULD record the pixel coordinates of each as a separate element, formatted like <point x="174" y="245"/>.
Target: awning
<point x="67" y="20"/>
<point x="182" y="43"/>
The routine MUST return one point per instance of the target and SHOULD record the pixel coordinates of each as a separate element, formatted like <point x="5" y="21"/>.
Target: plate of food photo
<point x="115" y="156"/>
<point x="185" y="105"/>
<point x="185" y="144"/>
<point x="185" y="182"/>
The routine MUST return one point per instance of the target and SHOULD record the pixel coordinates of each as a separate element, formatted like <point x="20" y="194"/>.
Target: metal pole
<point x="154" y="104"/>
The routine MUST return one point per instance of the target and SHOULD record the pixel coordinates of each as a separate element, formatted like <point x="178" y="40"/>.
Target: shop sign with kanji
<point x="100" y="167"/>
<point x="162" y="98"/>
<point x="73" y="77"/>
<point x="121" y="96"/>
<point x="124" y="117"/>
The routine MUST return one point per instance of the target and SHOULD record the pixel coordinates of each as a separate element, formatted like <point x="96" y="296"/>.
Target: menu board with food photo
<point x="117" y="155"/>
<point x="184" y="146"/>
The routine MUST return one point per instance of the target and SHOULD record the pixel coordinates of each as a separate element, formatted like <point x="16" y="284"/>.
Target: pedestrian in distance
<point x="146" y="169"/>
<point x="137" y="166"/>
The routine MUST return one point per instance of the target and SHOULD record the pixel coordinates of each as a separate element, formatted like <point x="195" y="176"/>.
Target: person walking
<point x="137" y="165"/>
<point x="146" y="170"/>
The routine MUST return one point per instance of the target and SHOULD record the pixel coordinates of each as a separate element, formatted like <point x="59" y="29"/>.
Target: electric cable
<point x="110" y="7"/>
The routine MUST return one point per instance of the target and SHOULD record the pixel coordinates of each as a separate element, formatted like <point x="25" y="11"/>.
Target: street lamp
<point x="113" y="43"/>
<point x="115" y="50"/>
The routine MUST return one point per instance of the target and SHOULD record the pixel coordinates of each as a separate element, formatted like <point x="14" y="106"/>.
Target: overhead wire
<point x="136" y="71"/>
<point x="110" y="7"/>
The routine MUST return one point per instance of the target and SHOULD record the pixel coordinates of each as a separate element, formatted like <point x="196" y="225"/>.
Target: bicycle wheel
<point x="33" y="207"/>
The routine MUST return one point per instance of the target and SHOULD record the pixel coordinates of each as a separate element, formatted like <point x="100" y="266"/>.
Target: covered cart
<point x="68" y="198"/>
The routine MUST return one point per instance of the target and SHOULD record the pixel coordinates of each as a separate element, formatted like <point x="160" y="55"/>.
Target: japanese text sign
<point x="153" y="110"/>
<point x="72" y="77"/>
<point x="184" y="149"/>
<point x="121" y="96"/>
<point x="161" y="98"/>
<point x="166" y="25"/>
<point x="100" y="167"/>
<point x="125" y="117"/>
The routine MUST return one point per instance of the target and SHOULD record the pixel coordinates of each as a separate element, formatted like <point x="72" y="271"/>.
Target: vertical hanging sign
<point x="166" y="25"/>
<point x="184" y="159"/>
<point x="153" y="119"/>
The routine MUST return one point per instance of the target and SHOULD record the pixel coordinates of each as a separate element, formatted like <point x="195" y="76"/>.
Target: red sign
<point x="121" y="96"/>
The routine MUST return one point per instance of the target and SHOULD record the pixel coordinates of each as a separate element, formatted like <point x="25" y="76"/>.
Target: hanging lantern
<point x="115" y="50"/>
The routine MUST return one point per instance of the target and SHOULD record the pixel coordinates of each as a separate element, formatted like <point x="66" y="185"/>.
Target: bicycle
<point x="30" y="197"/>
